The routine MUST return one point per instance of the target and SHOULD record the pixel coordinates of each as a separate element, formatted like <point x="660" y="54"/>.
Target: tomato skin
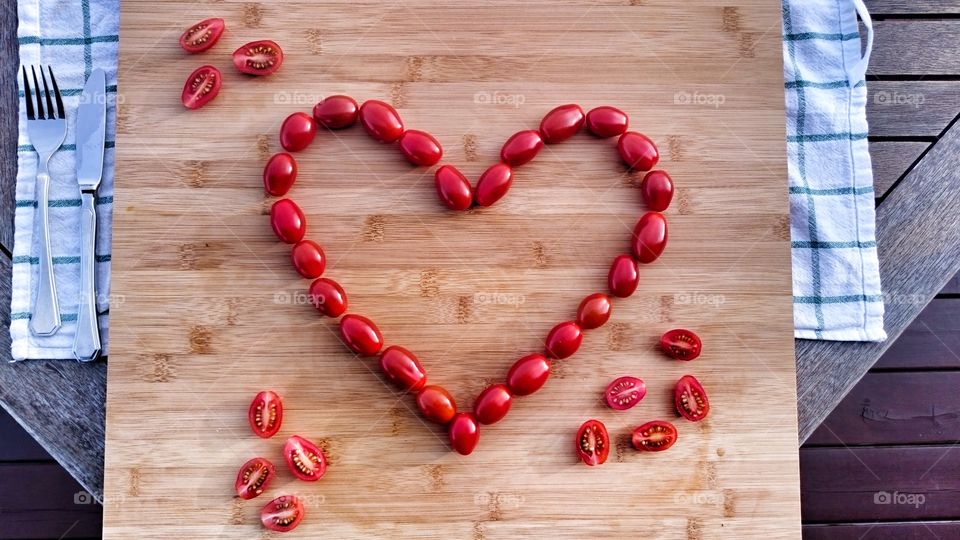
<point x="624" y="392"/>
<point x="201" y="87"/>
<point x="202" y="35"/>
<point x="254" y="477"/>
<point x="464" y="433"/>
<point x="308" y="258"/>
<point x="606" y="121"/>
<point x="654" y="436"/>
<point x="521" y="147"/>
<point x="493" y="404"/>
<point x="288" y="221"/>
<point x="563" y="340"/>
<point x="297" y="131"/>
<point x="593" y="443"/>
<point x="638" y="151"/>
<point x="381" y="121"/>
<point x="336" y="112"/>
<point x="681" y="344"/>
<point x="649" y="237"/>
<point x="528" y="374"/>
<point x="282" y="514"/>
<point x="624" y="276"/>
<point x="453" y="188"/>
<point x="258" y="58"/>
<point x="360" y="335"/>
<point x="594" y="311"/>
<point x="305" y="459"/>
<point x="494" y="184"/>
<point x="279" y="174"/>
<point x="265" y="414"/>
<point x="657" y="189"/>
<point x="328" y="297"/>
<point x="436" y="404"/>
<point x="561" y="123"/>
<point x="420" y="148"/>
<point x="691" y="399"/>
<point x="402" y="368"/>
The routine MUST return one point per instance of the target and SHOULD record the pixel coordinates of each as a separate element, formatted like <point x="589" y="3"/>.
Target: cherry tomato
<point x="563" y="340"/>
<point x="624" y="276"/>
<point x="655" y="436"/>
<point x="493" y="404"/>
<point x="402" y="368"/>
<point x="304" y="459"/>
<point x="521" y="147"/>
<point x="258" y="58"/>
<point x="493" y="184"/>
<point x="254" y="477"/>
<point x="328" y="297"/>
<point x="201" y="87"/>
<point x="336" y="112"/>
<point x="420" y="147"/>
<point x="638" y="151"/>
<point x="265" y="414"/>
<point x="288" y="221"/>
<point x="381" y="121"/>
<point x="593" y="443"/>
<point x="436" y="404"/>
<point x="561" y="123"/>
<point x="657" y="189"/>
<point x="681" y="344"/>
<point x="691" y="399"/>
<point x="624" y="392"/>
<point x="453" y="188"/>
<point x="308" y="259"/>
<point x="464" y="433"/>
<point x="360" y="335"/>
<point x="282" y="514"/>
<point x="594" y="311"/>
<point x="649" y="237"/>
<point x="279" y="174"/>
<point x="607" y="121"/>
<point x="297" y="131"/>
<point x="202" y="35"/>
<point x="528" y="374"/>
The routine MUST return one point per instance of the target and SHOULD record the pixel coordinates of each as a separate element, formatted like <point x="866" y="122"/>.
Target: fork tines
<point x="50" y="112"/>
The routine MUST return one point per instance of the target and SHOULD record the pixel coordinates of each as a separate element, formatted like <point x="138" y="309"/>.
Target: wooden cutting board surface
<point x="208" y="310"/>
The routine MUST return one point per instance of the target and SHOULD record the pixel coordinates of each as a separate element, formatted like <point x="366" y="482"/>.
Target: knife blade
<point x="91" y="130"/>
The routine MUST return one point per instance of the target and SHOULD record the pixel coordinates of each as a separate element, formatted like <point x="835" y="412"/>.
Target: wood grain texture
<point x="911" y="108"/>
<point x="915" y="7"/>
<point x="890" y="161"/>
<point x="45" y="502"/>
<point x="8" y="124"/>
<point x="918" y="530"/>
<point x="208" y="316"/>
<point x="932" y="341"/>
<point x="16" y="444"/>
<point x="903" y="47"/>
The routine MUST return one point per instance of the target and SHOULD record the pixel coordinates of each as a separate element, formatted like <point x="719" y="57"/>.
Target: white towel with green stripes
<point x="72" y="37"/>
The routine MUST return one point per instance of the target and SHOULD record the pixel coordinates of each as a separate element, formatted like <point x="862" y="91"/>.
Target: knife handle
<point x="45" y="320"/>
<point x="86" y="342"/>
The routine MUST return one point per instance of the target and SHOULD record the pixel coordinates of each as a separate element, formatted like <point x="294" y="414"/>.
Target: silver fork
<point x="47" y="132"/>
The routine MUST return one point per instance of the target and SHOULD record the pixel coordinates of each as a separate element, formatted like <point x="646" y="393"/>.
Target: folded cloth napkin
<point x="836" y="274"/>
<point x="73" y="38"/>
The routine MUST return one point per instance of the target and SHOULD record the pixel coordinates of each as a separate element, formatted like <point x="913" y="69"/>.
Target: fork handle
<point x="45" y="320"/>
<point x="86" y="342"/>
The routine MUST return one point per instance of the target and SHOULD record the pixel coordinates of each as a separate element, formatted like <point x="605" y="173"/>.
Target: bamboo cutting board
<point x="208" y="310"/>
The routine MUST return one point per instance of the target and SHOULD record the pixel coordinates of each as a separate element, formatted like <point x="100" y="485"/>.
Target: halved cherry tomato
<point x="528" y="374"/>
<point x="297" y="131"/>
<point x="361" y="335"/>
<point x="593" y="443"/>
<point x="493" y="404"/>
<point x="681" y="344"/>
<point x="521" y="147"/>
<point x="328" y="297"/>
<point x="453" y="188"/>
<point x="279" y="174"/>
<point x="563" y="340"/>
<point x="201" y="87"/>
<point x="265" y="414"/>
<point x="420" y="147"/>
<point x="638" y="151"/>
<point x="655" y="436"/>
<point x="607" y="121"/>
<point x="304" y="459"/>
<point x="381" y="121"/>
<point x="282" y="514"/>
<point x="561" y="123"/>
<point x="594" y="311"/>
<point x="258" y="57"/>
<point x="493" y="184"/>
<point x="336" y="112"/>
<point x="657" y="189"/>
<point x="288" y="221"/>
<point x="254" y="477"/>
<point x="624" y="276"/>
<point x="464" y="433"/>
<point x="202" y="35"/>
<point x="691" y="399"/>
<point x="436" y="404"/>
<point x="308" y="259"/>
<point x="649" y="237"/>
<point x="402" y="368"/>
<point x="624" y="392"/>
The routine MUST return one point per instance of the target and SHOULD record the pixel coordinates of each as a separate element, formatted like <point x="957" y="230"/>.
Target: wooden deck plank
<point x="952" y="286"/>
<point x="914" y="7"/>
<point x="932" y="341"/>
<point x="8" y="125"/>
<point x="916" y="47"/>
<point x="911" y="108"/>
<point x="890" y="160"/>
<point x="16" y="444"/>
<point x="46" y="503"/>
<point x="918" y="530"/>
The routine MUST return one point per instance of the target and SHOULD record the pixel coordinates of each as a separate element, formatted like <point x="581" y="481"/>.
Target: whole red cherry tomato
<point x="328" y="297"/>
<point x="624" y="276"/>
<point x="282" y="514"/>
<point x="564" y="340"/>
<point x="304" y="459"/>
<point x="402" y="368"/>
<point x="624" y="392"/>
<point x="336" y="112"/>
<point x="593" y="443"/>
<point x="638" y="151"/>
<point x="655" y="436"/>
<point x="436" y="404"/>
<point x="528" y="374"/>
<point x="360" y="335"/>
<point x="258" y="58"/>
<point x="657" y="189"/>
<point x="297" y="131"/>
<point x="594" y="311"/>
<point x="308" y="259"/>
<point x="279" y="174"/>
<point x="288" y="221"/>
<point x="464" y="433"/>
<point x="607" y="121"/>
<point x="493" y="184"/>
<point x="492" y="404"/>
<point x="381" y="121"/>
<point x="254" y="477"/>
<point x="681" y="344"/>
<point x="202" y="35"/>
<point x="265" y="414"/>
<point x="201" y="87"/>
<point x="691" y="399"/>
<point x="453" y="188"/>
<point x="521" y="147"/>
<point x="561" y="123"/>
<point x="649" y="237"/>
<point x="420" y="147"/>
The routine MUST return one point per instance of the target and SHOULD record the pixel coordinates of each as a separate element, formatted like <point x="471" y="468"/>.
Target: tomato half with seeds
<point x="202" y="35"/>
<point x="691" y="399"/>
<point x="593" y="443"/>
<point x="655" y="436"/>
<point x="201" y="87"/>
<point x="282" y="514"/>
<point x="681" y="344"/>
<point x="265" y="414"/>
<point x="254" y="477"/>
<point x="624" y="392"/>
<point x="258" y="57"/>
<point x="304" y="459"/>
